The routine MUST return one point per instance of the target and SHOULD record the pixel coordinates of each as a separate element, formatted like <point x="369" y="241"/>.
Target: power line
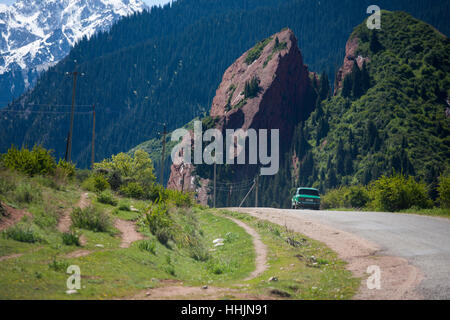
<point x="44" y="112"/>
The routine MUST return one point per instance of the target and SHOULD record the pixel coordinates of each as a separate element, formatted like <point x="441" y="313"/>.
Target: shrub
<point x="95" y="183"/>
<point x="3" y="212"/>
<point x="67" y="168"/>
<point x="148" y="245"/>
<point x="444" y="192"/>
<point x="356" y="197"/>
<point x="199" y="253"/>
<point x="58" y="265"/>
<point x="252" y="88"/>
<point x="31" y="162"/>
<point x="256" y="51"/>
<point x="23" y="234"/>
<point x="124" y="205"/>
<point x="25" y="193"/>
<point x="179" y="199"/>
<point x="71" y="239"/>
<point x="332" y="199"/>
<point x="91" y="219"/>
<point x="398" y="193"/>
<point x="160" y="223"/>
<point x="133" y="190"/>
<point x="107" y="197"/>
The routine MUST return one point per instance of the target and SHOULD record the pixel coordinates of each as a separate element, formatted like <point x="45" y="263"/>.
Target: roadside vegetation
<point x="397" y="193"/>
<point x="176" y="244"/>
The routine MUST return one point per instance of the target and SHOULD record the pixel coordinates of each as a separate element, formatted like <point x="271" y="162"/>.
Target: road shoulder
<point x="399" y="279"/>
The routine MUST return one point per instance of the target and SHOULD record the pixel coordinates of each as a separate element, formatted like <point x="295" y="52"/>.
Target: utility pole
<point x="69" y="142"/>
<point x="256" y="191"/>
<point x="93" y="137"/>
<point x="163" y="155"/>
<point x="229" y="196"/>
<point x="214" y="182"/>
<point x="243" y="200"/>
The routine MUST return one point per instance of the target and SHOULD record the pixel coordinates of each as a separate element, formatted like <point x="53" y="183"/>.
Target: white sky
<point x="148" y="2"/>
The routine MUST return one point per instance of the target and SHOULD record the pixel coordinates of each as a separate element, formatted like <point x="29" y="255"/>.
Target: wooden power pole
<point x="163" y="154"/>
<point x="256" y="190"/>
<point x="69" y="142"/>
<point x="214" y="183"/>
<point x="93" y="137"/>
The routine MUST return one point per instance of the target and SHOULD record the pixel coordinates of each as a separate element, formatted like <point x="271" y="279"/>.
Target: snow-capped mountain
<point x="37" y="33"/>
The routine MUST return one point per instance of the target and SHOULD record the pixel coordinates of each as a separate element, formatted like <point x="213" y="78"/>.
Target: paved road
<point x="423" y="241"/>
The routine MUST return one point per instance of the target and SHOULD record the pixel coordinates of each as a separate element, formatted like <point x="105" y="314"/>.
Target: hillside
<point x="165" y="65"/>
<point x="389" y="114"/>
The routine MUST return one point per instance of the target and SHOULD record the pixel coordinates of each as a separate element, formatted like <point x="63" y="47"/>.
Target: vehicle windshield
<point x="308" y="192"/>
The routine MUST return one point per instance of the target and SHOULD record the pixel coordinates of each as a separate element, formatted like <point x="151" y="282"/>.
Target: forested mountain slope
<point x="165" y="65"/>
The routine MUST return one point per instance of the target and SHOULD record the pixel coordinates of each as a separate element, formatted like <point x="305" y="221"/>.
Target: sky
<point x="148" y="2"/>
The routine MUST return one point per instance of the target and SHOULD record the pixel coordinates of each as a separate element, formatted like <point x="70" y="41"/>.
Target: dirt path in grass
<point x="128" y="232"/>
<point x="13" y="216"/>
<point x="179" y="291"/>
<point x="11" y="256"/>
<point x="260" y="249"/>
<point x="64" y="222"/>
<point x="399" y="278"/>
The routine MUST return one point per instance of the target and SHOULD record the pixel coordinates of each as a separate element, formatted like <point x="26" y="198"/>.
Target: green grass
<point x="112" y="272"/>
<point x="297" y="275"/>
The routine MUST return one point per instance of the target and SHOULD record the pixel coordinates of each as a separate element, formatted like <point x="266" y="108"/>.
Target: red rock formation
<point x="285" y="98"/>
<point x="350" y="58"/>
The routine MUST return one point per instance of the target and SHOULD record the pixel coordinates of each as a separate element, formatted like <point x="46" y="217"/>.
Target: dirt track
<point x="399" y="278"/>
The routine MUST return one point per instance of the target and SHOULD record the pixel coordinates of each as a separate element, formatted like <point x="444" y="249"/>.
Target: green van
<point x="306" y="198"/>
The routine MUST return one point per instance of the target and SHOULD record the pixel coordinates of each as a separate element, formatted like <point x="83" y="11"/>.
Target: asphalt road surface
<point x="423" y="241"/>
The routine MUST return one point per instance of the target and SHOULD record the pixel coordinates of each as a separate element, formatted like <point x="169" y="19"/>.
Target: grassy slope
<point x="114" y="272"/>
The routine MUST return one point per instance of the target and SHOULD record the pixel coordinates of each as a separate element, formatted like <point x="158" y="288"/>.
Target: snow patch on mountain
<point x="38" y="33"/>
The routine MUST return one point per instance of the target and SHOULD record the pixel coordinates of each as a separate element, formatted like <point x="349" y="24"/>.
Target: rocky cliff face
<point x="283" y="97"/>
<point x="349" y="60"/>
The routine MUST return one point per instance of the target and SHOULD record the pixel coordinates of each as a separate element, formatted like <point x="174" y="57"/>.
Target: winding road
<point x="413" y="251"/>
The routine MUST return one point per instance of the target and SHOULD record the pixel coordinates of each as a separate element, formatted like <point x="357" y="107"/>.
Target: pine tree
<point x="347" y="86"/>
<point x="324" y="88"/>
<point x="365" y="78"/>
<point x="357" y="90"/>
<point x="340" y="157"/>
<point x="332" y="181"/>
<point x="375" y="44"/>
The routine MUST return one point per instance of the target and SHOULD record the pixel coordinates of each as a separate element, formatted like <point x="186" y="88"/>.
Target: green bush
<point x="30" y="162"/>
<point x="107" y="197"/>
<point x="148" y="245"/>
<point x="256" y="51"/>
<point x="398" y="193"/>
<point x="160" y="223"/>
<point x="356" y="197"/>
<point x="95" y="183"/>
<point x="23" y="233"/>
<point x="124" y="205"/>
<point x="67" y="167"/>
<point x="3" y="212"/>
<point x="133" y="190"/>
<point x="92" y="219"/>
<point x="59" y="266"/>
<point x="26" y="193"/>
<point x="71" y="239"/>
<point x="332" y="199"/>
<point x="179" y="199"/>
<point x="444" y="192"/>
